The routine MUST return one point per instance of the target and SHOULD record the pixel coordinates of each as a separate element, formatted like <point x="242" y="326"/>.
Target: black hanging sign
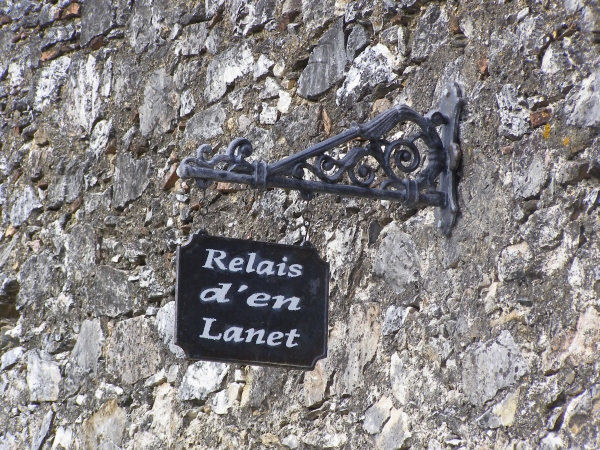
<point x="251" y="302"/>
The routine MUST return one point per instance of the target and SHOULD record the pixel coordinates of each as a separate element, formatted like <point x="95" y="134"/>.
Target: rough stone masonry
<point x="488" y="339"/>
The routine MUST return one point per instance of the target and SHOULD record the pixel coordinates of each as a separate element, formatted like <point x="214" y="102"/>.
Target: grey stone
<point x="515" y="262"/>
<point x="201" y="379"/>
<point x="582" y="105"/>
<point x="165" y="325"/>
<point x="43" y="377"/>
<point x="491" y="366"/>
<point x="394" y="319"/>
<point x="317" y="14"/>
<point x="530" y="178"/>
<point x="158" y="112"/>
<point x="96" y="19"/>
<point x="109" y="292"/>
<point x="131" y="178"/>
<point x="396" y="433"/>
<point x="573" y="172"/>
<point x="325" y="64"/>
<point x="142" y="32"/>
<point x="364" y="331"/>
<point x="132" y="351"/>
<point x="55" y="35"/>
<point x="409" y="5"/>
<point x="88" y="347"/>
<point x="37" y="278"/>
<point x="193" y="39"/>
<point x="531" y="33"/>
<point x="225" y="68"/>
<point x="80" y="252"/>
<point x="96" y="200"/>
<point x="397" y="261"/>
<point x="47" y="14"/>
<point x="514" y="117"/>
<point x="544" y="228"/>
<point x="357" y="42"/>
<point x="270" y="90"/>
<point x="430" y="34"/>
<point x="377" y="415"/>
<point x="236" y="98"/>
<point x="299" y="125"/>
<point x="205" y="125"/>
<point x="67" y="184"/>
<point x="251" y="15"/>
<point x="23" y="203"/>
<point x="11" y="357"/>
<point x="41" y="434"/>
<point x="372" y="67"/>
<point x="212" y="6"/>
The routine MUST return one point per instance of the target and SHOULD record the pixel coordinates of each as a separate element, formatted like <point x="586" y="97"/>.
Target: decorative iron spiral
<point x="402" y="152"/>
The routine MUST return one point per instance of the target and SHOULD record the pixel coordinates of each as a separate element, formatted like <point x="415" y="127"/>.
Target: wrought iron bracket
<point x="375" y="168"/>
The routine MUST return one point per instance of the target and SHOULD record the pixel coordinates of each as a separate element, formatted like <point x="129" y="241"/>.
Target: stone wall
<point x="488" y="339"/>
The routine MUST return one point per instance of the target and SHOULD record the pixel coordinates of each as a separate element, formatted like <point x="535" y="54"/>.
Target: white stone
<point x="48" y="84"/>
<point x="323" y="438"/>
<point x="377" y="414"/>
<point x="514" y="118"/>
<point x="291" y="441"/>
<point x="220" y="403"/>
<point x="156" y="379"/>
<point x="268" y="115"/>
<point x="187" y="103"/>
<point x="63" y="438"/>
<point x="284" y="102"/>
<point x="372" y="67"/>
<point x="225" y="68"/>
<point x="99" y="138"/>
<point x="11" y="357"/>
<point x="201" y="379"/>
<point x="82" y="101"/>
<point x="24" y="202"/>
<point x="395" y="433"/>
<point x="262" y="66"/>
<point x="165" y="325"/>
<point x="582" y="106"/>
<point x="43" y="377"/>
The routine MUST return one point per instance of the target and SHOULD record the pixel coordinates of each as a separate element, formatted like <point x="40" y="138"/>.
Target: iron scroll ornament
<point x="434" y="185"/>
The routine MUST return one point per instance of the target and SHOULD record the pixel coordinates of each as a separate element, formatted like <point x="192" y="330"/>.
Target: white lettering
<point x="290" y="340"/>
<point x="295" y="270"/>
<point x="218" y="294"/>
<point x="236" y="265"/>
<point x="260" y="335"/>
<point x="217" y="260"/>
<point x="249" y="267"/>
<point x="274" y="337"/>
<point x="265" y="267"/>
<point x="206" y="333"/>
<point x="258" y="300"/>
<point x="233" y="334"/>
<point x="280" y="300"/>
